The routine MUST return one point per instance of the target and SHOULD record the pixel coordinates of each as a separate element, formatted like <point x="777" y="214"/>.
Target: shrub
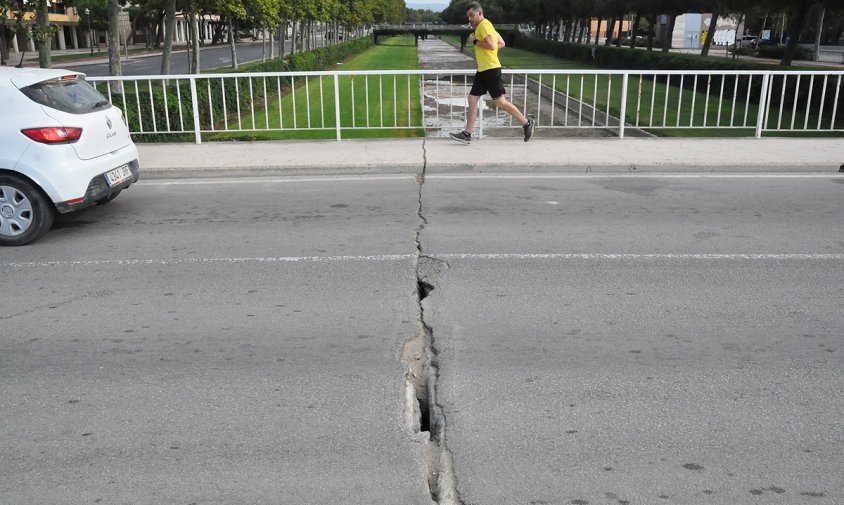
<point x="777" y="52"/>
<point x="743" y="51"/>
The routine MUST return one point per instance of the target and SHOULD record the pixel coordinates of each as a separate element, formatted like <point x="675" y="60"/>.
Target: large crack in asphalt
<point x="423" y="416"/>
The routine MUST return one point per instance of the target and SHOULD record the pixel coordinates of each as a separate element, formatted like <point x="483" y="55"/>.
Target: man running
<point x="487" y="42"/>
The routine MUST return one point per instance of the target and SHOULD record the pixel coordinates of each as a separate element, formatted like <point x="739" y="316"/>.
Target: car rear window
<point x="74" y="96"/>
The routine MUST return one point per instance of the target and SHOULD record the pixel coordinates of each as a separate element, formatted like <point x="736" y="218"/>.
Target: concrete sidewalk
<point x="558" y="155"/>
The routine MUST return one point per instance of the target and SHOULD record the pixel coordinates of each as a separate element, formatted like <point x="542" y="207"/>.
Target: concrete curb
<point x="641" y="168"/>
<point x="499" y="155"/>
<point x="278" y="171"/>
<point x="491" y="169"/>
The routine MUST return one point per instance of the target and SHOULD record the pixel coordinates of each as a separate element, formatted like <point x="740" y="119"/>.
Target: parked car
<point x="63" y="147"/>
<point x="748" y="41"/>
<point x="245" y="35"/>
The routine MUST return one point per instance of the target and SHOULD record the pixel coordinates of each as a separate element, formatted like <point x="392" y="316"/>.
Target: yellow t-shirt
<point x="486" y="58"/>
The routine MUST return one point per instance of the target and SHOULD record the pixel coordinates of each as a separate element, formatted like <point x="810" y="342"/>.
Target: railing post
<point x="337" y="103"/>
<point x="623" y="105"/>
<point x="195" y="106"/>
<point x="763" y="105"/>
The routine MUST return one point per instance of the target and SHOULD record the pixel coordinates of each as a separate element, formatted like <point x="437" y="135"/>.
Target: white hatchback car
<point x="63" y="147"/>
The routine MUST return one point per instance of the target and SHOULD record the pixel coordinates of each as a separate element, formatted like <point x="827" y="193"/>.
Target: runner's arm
<point x="489" y="42"/>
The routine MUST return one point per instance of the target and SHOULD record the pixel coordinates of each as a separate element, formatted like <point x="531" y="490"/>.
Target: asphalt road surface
<point x="599" y="339"/>
<point x="211" y="57"/>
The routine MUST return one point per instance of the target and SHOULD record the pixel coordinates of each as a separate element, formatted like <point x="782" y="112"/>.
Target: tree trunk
<point x="280" y="38"/>
<point x="264" y="44"/>
<point x="114" y="66"/>
<point x="620" y="28"/>
<point x="169" y="29"/>
<point x="598" y="31"/>
<point x="231" y="44"/>
<point x="669" y="33"/>
<point x="195" y="53"/>
<point x="159" y="30"/>
<point x="133" y="30"/>
<point x="310" y="32"/>
<point x="293" y="37"/>
<point x="764" y="25"/>
<point x="651" y="31"/>
<point x="713" y="24"/>
<point x="736" y="41"/>
<point x="635" y="30"/>
<point x="818" y="36"/>
<point x="795" y="28"/>
<point x="45" y="42"/>
<point x="188" y="46"/>
<point x="610" y="29"/>
<point x="4" y="51"/>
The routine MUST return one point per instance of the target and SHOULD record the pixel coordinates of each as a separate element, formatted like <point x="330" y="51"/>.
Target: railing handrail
<point x="724" y="100"/>
<point x="326" y="73"/>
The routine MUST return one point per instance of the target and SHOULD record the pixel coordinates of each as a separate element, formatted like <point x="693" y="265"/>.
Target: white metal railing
<point x="278" y="104"/>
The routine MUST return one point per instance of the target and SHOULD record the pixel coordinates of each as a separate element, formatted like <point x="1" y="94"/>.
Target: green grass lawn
<point x="307" y="107"/>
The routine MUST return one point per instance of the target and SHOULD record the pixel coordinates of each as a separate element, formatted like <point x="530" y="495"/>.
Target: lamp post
<point x="90" y="35"/>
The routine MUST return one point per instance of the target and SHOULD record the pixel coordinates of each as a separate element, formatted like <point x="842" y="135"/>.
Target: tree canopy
<point x="790" y="21"/>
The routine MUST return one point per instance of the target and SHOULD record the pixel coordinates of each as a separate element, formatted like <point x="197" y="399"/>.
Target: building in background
<point x="691" y="28"/>
<point x="74" y="34"/>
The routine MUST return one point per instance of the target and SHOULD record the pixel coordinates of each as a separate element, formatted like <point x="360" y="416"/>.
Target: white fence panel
<point x="256" y="105"/>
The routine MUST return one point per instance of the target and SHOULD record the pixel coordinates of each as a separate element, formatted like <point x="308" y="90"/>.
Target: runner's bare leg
<point x="511" y="109"/>
<point x="472" y="113"/>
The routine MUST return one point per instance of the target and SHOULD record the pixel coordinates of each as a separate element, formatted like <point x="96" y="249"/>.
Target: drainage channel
<point x="423" y="417"/>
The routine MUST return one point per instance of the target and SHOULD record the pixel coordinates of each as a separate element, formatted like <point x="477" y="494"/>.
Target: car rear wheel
<point x="25" y="213"/>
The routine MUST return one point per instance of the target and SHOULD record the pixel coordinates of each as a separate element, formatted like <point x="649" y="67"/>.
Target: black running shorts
<point x="488" y="80"/>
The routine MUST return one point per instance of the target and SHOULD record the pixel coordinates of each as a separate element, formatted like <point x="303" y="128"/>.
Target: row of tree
<point x="569" y="20"/>
<point x="157" y="18"/>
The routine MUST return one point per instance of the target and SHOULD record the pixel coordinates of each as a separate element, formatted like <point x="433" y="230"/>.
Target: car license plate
<point x="118" y="175"/>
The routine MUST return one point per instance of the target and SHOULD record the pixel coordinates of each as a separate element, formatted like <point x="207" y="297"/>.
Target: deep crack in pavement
<point x="423" y="417"/>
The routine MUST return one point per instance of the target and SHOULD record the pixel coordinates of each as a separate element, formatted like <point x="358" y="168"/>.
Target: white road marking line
<point x="622" y="256"/>
<point x="189" y="261"/>
<point x="403" y="257"/>
<point x="646" y="175"/>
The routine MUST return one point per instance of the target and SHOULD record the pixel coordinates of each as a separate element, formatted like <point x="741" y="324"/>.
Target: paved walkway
<point x="493" y="155"/>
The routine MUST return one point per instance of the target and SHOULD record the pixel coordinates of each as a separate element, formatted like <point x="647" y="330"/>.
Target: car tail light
<point x="55" y="135"/>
